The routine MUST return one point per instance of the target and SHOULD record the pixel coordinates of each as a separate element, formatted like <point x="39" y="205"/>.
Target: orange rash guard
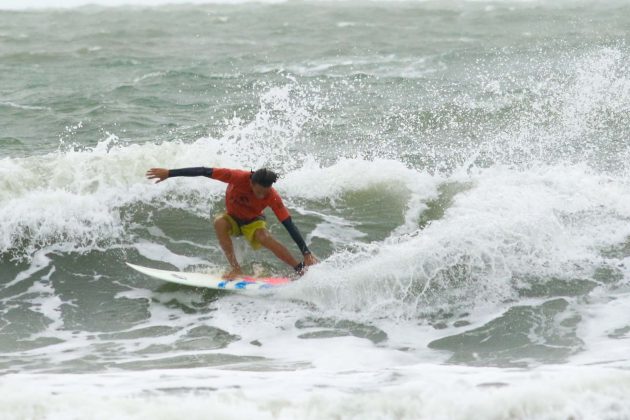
<point x="240" y="201"/>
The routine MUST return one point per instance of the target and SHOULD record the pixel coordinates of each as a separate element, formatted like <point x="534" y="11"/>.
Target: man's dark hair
<point x="264" y="177"/>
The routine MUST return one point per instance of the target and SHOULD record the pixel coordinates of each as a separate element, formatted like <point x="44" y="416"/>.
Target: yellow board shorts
<point x="247" y="230"/>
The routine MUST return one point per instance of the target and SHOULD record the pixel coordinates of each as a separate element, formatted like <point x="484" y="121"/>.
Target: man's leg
<point x="223" y="228"/>
<point x="264" y="237"/>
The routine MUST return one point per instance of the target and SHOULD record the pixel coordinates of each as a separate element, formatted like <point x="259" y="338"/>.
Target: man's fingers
<point x="155" y="174"/>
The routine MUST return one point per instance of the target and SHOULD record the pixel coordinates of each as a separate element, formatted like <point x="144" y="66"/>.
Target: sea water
<point x="460" y="168"/>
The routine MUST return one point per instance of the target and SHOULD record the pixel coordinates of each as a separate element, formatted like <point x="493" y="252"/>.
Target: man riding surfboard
<point x="247" y="195"/>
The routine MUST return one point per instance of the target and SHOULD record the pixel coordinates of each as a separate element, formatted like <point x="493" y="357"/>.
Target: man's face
<point x="259" y="191"/>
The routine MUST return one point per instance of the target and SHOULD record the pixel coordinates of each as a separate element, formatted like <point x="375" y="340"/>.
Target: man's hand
<point x="309" y="259"/>
<point x="157" y="173"/>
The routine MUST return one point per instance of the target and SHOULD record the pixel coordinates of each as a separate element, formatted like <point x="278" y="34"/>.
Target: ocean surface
<point x="461" y="169"/>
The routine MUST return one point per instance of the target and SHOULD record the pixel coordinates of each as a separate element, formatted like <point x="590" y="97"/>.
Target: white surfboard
<point x="212" y="281"/>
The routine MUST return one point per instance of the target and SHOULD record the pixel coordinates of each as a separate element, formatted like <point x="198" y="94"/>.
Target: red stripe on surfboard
<point x="269" y="280"/>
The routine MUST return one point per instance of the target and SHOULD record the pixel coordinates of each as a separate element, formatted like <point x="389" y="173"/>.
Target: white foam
<point x="425" y="392"/>
<point x="38" y="263"/>
<point x="571" y="117"/>
<point x="317" y="183"/>
<point x="604" y="329"/>
<point x="47" y="302"/>
<point x="543" y="223"/>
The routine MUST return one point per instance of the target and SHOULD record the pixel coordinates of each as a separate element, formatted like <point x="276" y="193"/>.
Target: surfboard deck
<point x="211" y="281"/>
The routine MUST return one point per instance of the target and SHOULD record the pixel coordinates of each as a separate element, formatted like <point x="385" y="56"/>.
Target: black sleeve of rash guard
<point x="295" y="234"/>
<point x="200" y="171"/>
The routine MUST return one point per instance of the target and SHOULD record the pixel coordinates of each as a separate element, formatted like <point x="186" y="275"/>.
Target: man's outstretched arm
<point x="162" y="173"/>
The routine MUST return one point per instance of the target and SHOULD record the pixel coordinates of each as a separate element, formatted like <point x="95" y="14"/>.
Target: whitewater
<point x="460" y="168"/>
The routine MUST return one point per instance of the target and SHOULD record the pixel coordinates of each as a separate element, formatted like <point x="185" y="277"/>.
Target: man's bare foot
<point x="234" y="273"/>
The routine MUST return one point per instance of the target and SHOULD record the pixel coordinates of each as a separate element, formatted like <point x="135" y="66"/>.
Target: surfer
<point x="247" y="195"/>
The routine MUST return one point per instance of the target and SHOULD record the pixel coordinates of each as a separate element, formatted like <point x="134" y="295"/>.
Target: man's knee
<point x="263" y="237"/>
<point x="221" y="224"/>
